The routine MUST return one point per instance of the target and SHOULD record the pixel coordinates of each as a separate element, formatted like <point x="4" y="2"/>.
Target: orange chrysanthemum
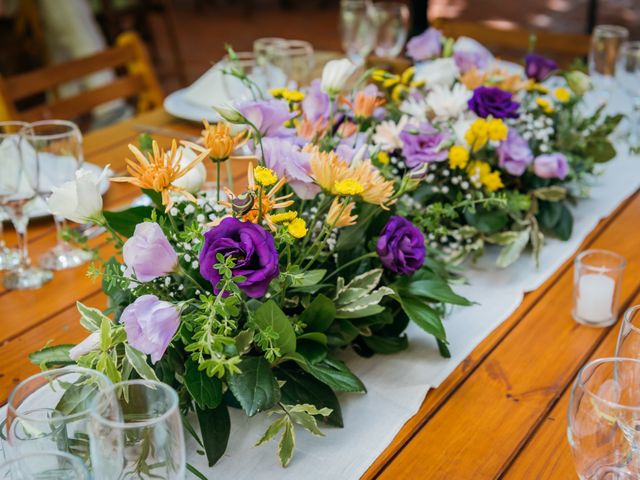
<point x="364" y="105"/>
<point x="377" y="190"/>
<point x="220" y="142"/>
<point x="340" y="215"/>
<point x="326" y="168"/>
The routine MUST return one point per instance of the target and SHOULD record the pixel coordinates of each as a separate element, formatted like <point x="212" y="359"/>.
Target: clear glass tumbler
<point x="136" y="428"/>
<point x="392" y="23"/>
<point x="604" y="413"/>
<point x="629" y="337"/>
<point x="606" y="42"/>
<point x="44" y="466"/>
<point x="596" y="288"/>
<point x="628" y="77"/>
<point x="358" y="29"/>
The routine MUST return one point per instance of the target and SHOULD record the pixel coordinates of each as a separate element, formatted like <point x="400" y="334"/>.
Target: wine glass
<point x="358" y="29"/>
<point x="45" y="466"/>
<point x="392" y="22"/>
<point x="604" y="413"/>
<point x="628" y="76"/>
<point x="257" y="79"/>
<point x="629" y="337"/>
<point x="49" y="411"/>
<point x="135" y="426"/>
<point x="286" y="61"/>
<point x="18" y="181"/>
<point x="58" y="146"/>
<point x="9" y="257"/>
<point x="606" y="41"/>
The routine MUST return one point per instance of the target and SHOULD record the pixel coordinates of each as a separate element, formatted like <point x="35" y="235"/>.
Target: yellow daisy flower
<point x="545" y="104"/>
<point x="478" y="134"/>
<point x="284" y="217"/>
<point x="383" y="158"/>
<point x="458" y="157"/>
<point x="492" y="181"/>
<point x="265" y="176"/>
<point x="562" y="94"/>
<point x="497" y="130"/>
<point x="297" y="228"/>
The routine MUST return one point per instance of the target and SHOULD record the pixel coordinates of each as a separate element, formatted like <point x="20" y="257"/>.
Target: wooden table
<point x="500" y="414"/>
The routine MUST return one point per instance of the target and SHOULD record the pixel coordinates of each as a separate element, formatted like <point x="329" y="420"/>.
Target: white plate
<point x="176" y="104"/>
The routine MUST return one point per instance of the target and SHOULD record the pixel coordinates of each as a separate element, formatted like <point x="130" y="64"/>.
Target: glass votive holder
<point x="596" y="287"/>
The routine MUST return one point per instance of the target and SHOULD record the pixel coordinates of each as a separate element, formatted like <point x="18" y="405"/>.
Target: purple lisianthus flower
<point x="268" y="116"/>
<point x="538" y="67"/>
<point x="287" y="160"/>
<point x="401" y="246"/>
<point x="423" y="145"/>
<point x="426" y="45"/>
<point x="316" y="103"/>
<point x="250" y="245"/>
<point x="148" y="254"/>
<point x="350" y="146"/>
<point x="150" y="324"/>
<point x="493" y="101"/>
<point x="514" y="154"/>
<point x="468" y="60"/>
<point x="552" y="165"/>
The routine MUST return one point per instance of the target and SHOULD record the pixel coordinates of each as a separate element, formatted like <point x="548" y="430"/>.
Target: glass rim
<point x="77" y="464"/>
<point x="52" y="136"/>
<point x="622" y="262"/>
<point x="390" y="4"/>
<point x="122" y="425"/>
<point x="611" y="31"/>
<point x="57" y="372"/>
<point x="628" y="313"/>
<point x="600" y="361"/>
<point x="13" y="123"/>
<point x="631" y="45"/>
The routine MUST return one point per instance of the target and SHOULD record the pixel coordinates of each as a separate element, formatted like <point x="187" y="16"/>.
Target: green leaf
<point x="310" y="277"/>
<point x="306" y="421"/>
<point x="312" y="351"/>
<point x="124" y="221"/>
<point x="487" y="221"/>
<point x="316" y="337"/>
<point x="243" y="341"/>
<point x="215" y="426"/>
<point x="287" y="443"/>
<point x="272" y="431"/>
<point x="365" y="312"/>
<point x="549" y="214"/>
<point x="319" y="314"/>
<point x="207" y="392"/>
<point x="351" y="237"/>
<point x="90" y="318"/>
<point x="386" y="345"/>
<point x="77" y="397"/>
<point x="138" y="361"/>
<point x="51" y="357"/>
<point x="564" y="227"/>
<point x="255" y="388"/>
<point x="551" y="194"/>
<point x="423" y="315"/>
<point x="342" y="333"/>
<point x="105" y="334"/>
<point x="601" y="150"/>
<point x="268" y="316"/>
<point x="336" y="375"/>
<point x="431" y="288"/>
<point x="368" y="280"/>
<point x="510" y="253"/>
<point x="443" y="349"/>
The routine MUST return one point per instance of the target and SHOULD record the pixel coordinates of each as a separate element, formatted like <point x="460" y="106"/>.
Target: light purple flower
<point x="148" y="254"/>
<point x="350" y="146"/>
<point x="514" y="154"/>
<point x="552" y="165"/>
<point x="287" y="160"/>
<point x="268" y="116"/>
<point x="316" y="103"/>
<point x="150" y="324"/>
<point x="423" y="145"/>
<point x="426" y="45"/>
<point x="469" y="53"/>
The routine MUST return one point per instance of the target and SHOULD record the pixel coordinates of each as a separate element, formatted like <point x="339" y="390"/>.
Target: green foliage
<point x="52" y="357"/>
<point x="124" y="221"/>
<point x="274" y="333"/>
<point x="215" y="426"/>
<point x="255" y="387"/>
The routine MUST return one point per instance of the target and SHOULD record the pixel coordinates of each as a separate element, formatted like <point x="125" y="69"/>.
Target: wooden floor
<point x="500" y="414"/>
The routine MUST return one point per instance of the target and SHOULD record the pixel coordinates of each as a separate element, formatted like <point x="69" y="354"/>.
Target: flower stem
<point x="349" y="263"/>
<point x="218" y="182"/>
<point x="229" y="174"/>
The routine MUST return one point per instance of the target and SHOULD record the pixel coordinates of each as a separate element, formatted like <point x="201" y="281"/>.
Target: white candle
<point x="595" y="298"/>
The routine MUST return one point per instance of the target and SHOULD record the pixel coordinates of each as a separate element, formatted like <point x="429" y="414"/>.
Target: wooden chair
<point x="129" y="56"/>
<point x="566" y="45"/>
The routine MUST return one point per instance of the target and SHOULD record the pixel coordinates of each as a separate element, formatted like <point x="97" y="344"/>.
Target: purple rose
<point x="538" y="67"/>
<point x="316" y="103"/>
<point x="426" y="45"/>
<point x="150" y="325"/>
<point x="287" y="160"/>
<point x="493" y="101"/>
<point x="148" y="254"/>
<point x="423" y="145"/>
<point x="250" y="245"/>
<point x="553" y="165"/>
<point x="268" y="116"/>
<point x="401" y="246"/>
<point x="514" y="154"/>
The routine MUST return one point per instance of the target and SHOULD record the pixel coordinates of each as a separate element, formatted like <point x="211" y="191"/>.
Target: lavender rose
<point x="423" y="145"/>
<point x="553" y="165"/>
<point x="401" y="246"/>
<point x="287" y="160"/>
<point x="493" y="101"/>
<point x="268" y="116"/>
<point x="514" y="154"/>
<point x="538" y="67"/>
<point x="148" y="254"/>
<point x="250" y="245"/>
<point x="150" y="324"/>
<point x="316" y="103"/>
<point x="426" y="45"/>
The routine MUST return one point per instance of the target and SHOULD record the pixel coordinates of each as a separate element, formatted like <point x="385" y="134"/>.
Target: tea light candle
<point x="595" y="298"/>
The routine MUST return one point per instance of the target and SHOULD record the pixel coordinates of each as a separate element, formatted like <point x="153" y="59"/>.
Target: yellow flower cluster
<point x="458" y="157"/>
<point x="480" y="174"/>
<point x="383" y="158"/>
<point x="288" y="95"/>
<point x="545" y="105"/>
<point x="283" y="217"/>
<point x="398" y="85"/>
<point x="482" y="130"/>
<point x="265" y="176"/>
<point x="348" y="186"/>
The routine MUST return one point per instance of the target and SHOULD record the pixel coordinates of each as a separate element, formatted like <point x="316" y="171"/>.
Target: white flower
<point x="194" y="179"/>
<point x="335" y="74"/>
<point x="387" y="134"/>
<point x="79" y="200"/>
<point x="448" y="104"/>
<point x="85" y="346"/>
<point x="442" y="71"/>
<point x="230" y="114"/>
<point x="460" y="129"/>
<point x="416" y="109"/>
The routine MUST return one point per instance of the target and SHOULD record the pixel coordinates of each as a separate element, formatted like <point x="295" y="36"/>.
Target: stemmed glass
<point x="18" y="181"/>
<point x="392" y="22"/>
<point x="294" y="58"/>
<point x="58" y="146"/>
<point x="606" y="41"/>
<point x="629" y="337"/>
<point x="135" y="427"/>
<point x="358" y="29"/>
<point x="44" y="465"/>
<point x="9" y="257"/>
<point x="49" y="411"/>
<point x="628" y="76"/>
<point x="604" y="413"/>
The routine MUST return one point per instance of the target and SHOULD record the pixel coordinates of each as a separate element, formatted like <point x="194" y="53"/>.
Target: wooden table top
<point x="500" y="414"/>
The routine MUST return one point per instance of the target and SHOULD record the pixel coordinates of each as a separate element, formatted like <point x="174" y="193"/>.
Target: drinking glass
<point x="45" y="466"/>
<point x="9" y="257"/>
<point x="392" y="23"/>
<point x="604" y="413"/>
<point x="245" y="63"/>
<point x="596" y="288"/>
<point x="136" y="427"/>
<point x="628" y="76"/>
<point x="606" y="41"/>
<point x="287" y="62"/>
<point x="58" y="146"/>
<point x="629" y="337"/>
<point x="18" y="180"/>
<point x="49" y="411"/>
<point x="357" y="28"/>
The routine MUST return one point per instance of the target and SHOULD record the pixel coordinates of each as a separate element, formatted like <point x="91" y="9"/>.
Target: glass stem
<point x="20" y="223"/>
<point x="3" y="245"/>
<point x="60" y="224"/>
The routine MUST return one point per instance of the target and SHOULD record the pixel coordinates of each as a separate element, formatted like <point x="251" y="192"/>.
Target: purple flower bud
<point x="553" y="165"/>
<point x="401" y="246"/>
<point x="538" y="67"/>
<point x="425" y="46"/>
<point x="148" y="254"/>
<point x="493" y="101"/>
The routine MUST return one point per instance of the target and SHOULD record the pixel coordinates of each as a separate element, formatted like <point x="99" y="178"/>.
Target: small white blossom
<point x="194" y="264"/>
